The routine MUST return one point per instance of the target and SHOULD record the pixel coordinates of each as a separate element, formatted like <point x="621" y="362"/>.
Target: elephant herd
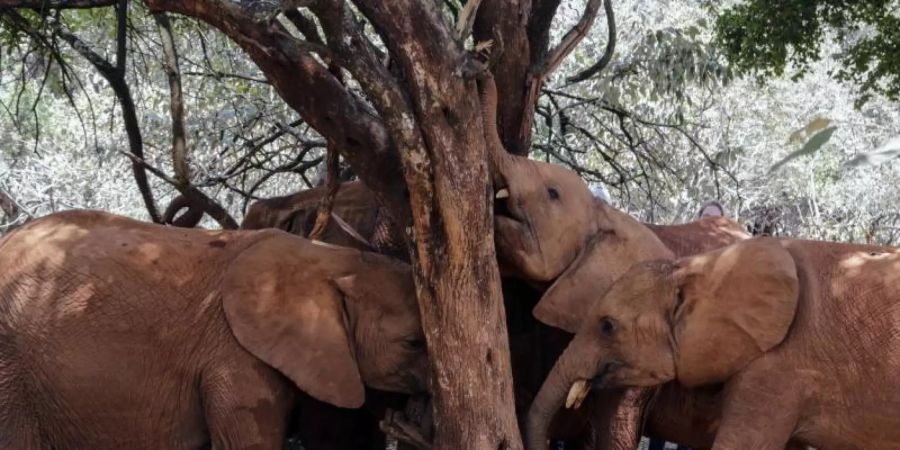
<point x="118" y="334"/>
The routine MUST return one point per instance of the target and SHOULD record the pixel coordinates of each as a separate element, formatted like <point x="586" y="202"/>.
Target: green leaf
<point x="811" y="146"/>
<point x="888" y="151"/>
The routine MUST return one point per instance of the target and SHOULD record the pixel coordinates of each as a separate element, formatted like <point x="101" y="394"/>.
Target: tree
<point x="413" y="131"/>
<point x="767" y="37"/>
<point x="660" y="122"/>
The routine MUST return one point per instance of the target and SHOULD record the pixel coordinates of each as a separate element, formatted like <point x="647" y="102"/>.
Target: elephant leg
<point x="760" y="410"/>
<point x="246" y="405"/>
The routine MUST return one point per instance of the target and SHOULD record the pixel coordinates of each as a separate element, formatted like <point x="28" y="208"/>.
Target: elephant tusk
<point x="577" y="394"/>
<point x="502" y="193"/>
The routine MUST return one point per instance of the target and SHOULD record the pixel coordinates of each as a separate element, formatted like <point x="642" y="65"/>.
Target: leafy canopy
<point x="765" y="37"/>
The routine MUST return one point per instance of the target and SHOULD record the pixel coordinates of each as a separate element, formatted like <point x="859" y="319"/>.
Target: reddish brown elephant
<point x="548" y="224"/>
<point x="803" y="336"/>
<point x="357" y="220"/>
<point x="633" y="242"/>
<point x="120" y="334"/>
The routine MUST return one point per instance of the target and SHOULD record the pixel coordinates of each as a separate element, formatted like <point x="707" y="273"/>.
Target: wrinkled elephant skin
<point x="121" y="334"/>
<point x="801" y="334"/>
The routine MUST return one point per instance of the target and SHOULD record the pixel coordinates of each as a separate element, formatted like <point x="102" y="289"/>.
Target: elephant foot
<point x="396" y="425"/>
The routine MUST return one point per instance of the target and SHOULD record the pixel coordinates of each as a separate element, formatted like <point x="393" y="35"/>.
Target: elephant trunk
<point x="498" y="157"/>
<point x="550" y="398"/>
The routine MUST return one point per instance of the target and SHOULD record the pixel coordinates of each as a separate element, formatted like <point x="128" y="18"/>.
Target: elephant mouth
<point x="501" y="205"/>
<point x="582" y="387"/>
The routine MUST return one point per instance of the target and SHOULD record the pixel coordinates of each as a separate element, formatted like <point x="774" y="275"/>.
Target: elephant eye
<point x="607" y="326"/>
<point x="553" y="193"/>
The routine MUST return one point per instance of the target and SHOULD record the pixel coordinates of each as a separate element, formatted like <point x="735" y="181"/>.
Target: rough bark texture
<point x="454" y="260"/>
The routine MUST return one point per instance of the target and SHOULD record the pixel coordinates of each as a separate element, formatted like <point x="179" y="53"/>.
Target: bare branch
<point x="189" y="219"/>
<point x="121" y="26"/>
<point x="571" y="39"/>
<point x="117" y="82"/>
<point x="308" y="87"/>
<point x="176" y="103"/>
<point x="356" y="54"/>
<point x="266" y="10"/>
<point x="9" y="206"/>
<point x="196" y="196"/>
<point x="610" y="47"/>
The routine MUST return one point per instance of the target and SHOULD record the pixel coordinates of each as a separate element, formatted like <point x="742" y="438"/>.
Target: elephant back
<point x="357" y="221"/>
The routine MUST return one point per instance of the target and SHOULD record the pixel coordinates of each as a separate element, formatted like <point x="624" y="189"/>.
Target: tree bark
<point x="453" y="255"/>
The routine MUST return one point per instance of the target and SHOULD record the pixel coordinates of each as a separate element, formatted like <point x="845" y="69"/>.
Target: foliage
<point x="62" y="122"/>
<point x="718" y="138"/>
<point x="770" y="37"/>
<point x="665" y="127"/>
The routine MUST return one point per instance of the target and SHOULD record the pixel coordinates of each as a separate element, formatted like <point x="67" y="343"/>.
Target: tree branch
<point x="610" y="47"/>
<point x="116" y="80"/>
<point x="215" y="210"/>
<point x="309" y="88"/>
<point x="13" y="211"/>
<point x="571" y="39"/>
<point x="176" y="102"/>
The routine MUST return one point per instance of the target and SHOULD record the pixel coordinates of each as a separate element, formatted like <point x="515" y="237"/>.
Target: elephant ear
<point x="733" y="305"/>
<point x="291" y="316"/>
<point x="568" y="299"/>
<point x="606" y="256"/>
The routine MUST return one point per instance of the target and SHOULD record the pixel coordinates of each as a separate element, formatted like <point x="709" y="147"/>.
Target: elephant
<point x="357" y="220"/>
<point x="801" y="335"/>
<point x="116" y="333"/>
<point x="614" y="418"/>
<point x="622" y="242"/>
<point x="548" y="227"/>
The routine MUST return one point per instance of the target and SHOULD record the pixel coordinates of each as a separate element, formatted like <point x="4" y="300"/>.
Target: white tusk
<point x="502" y="193"/>
<point x="577" y="393"/>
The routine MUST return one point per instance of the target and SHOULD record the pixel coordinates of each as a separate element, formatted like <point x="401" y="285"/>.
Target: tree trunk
<point x="451" y="196"/>
<point x="428" y="127"/>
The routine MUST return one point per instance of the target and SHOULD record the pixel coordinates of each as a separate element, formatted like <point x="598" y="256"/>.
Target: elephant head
<point x="607" y="254"/>
<point x="329" y="318"/>
<point x="544" y="214"/>
<point x="698" y="320"/>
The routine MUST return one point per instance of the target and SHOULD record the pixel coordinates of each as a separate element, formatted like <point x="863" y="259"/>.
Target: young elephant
<point x="120" y="334"/>
<point x="803" y="334"/>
